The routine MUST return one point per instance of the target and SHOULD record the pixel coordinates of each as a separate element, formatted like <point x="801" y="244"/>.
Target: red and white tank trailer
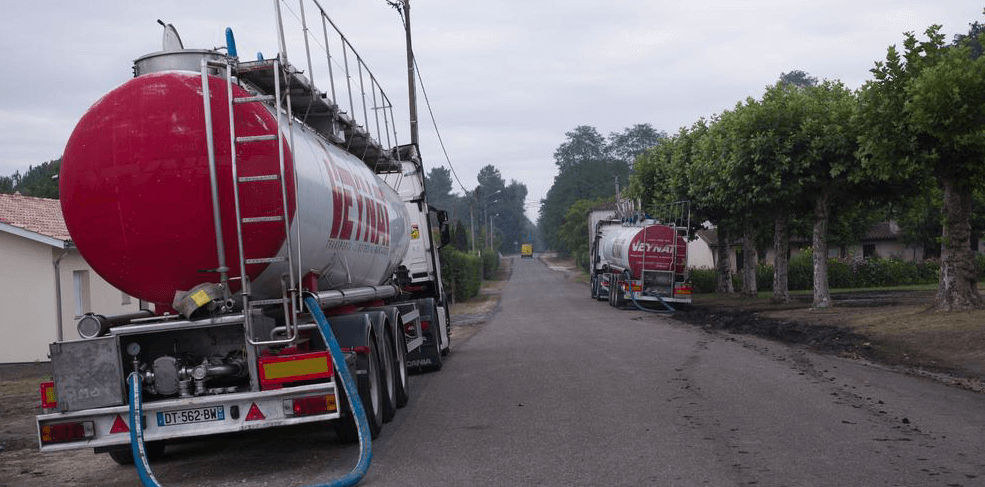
<point x="221" y="248"/>
<point x="639" y="260"/>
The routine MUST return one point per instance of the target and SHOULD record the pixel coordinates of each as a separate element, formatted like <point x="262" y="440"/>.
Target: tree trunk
<point x="750" y="260"/>
<point x="781" y="244"/>
<point x="724" y="284"/>
<point x="822" y="296"/>
<point x="957" y="289"/>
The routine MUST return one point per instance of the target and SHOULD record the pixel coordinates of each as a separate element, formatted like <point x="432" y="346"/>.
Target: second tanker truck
<point x="639" y="261"/>
<point x="220" y="192"/>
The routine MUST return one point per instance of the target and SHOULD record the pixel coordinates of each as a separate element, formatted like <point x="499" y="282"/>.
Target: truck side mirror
<point x="442" y="217"/>
<point x="445" y="234"/>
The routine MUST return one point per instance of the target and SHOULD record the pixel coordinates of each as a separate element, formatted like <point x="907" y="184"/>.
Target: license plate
<point x="187" y="416"/>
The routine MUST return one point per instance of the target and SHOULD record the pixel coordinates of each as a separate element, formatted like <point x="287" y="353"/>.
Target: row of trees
<point x="808" y="154"/>
<point x="589" y="166"/>
<point x="493" y="205"/>
<point x="40" y="180"/>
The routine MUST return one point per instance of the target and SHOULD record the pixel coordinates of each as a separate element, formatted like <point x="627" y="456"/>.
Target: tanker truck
<point x="225" y="195"/>
<point x="640" y="261"/>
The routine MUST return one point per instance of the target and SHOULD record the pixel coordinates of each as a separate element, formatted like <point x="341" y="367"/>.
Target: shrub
<point x="490" y="263"/>
<point x="703" y="280"/>
<point x="461" y="273"/>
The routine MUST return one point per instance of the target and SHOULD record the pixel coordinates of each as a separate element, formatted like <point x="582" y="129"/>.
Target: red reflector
<point x="48" y="398"/>
<point x="62" y="432"/>
<point x="307" y="406"/>
<point x="254" y="414"/>
<point x="409" y="328"/>
<point x="425" y="325"/>
<point x="119" y="426"/>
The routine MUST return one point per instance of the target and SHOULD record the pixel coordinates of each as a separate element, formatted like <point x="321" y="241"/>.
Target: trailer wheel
<point x="618" y="301"/>
<point x="403" y="387"/>
<point x="389" y="379"/>
<point x="370" y="388"/>
<point x="124" y="456"/>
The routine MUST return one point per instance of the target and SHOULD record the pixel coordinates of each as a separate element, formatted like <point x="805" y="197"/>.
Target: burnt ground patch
<point x="819" y="337"/>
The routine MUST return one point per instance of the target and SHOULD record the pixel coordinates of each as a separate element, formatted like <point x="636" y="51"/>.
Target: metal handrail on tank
<point x="375" y="100"/>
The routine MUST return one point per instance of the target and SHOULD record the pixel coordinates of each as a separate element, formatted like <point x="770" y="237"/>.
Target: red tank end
<point x="135" y="191"/>
<point x="653" y="249"/>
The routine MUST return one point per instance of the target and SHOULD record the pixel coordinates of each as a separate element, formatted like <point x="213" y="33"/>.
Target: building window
<point x="80" y="283"/>
<point x="124" y="299"/>
<point x="868" y="250"/>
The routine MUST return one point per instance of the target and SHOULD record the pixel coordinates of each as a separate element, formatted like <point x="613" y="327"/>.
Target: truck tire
<point x="388" y="377"/>
<point x="618" y="300"/>
<point x="370" y="393"/>
<point x="124" y="455"/>
<point x="593" y="288"/>
<point x="402" y="382"/>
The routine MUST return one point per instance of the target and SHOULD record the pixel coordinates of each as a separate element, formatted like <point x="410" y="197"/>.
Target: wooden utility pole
<point x="411" y="86"/>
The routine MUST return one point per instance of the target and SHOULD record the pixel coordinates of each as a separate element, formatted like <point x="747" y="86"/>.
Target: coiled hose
<point x="348" y="384"/>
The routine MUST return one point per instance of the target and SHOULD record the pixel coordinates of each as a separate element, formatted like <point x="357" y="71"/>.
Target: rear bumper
<point x="235" y="406"/>
<point x="641" y="297"/>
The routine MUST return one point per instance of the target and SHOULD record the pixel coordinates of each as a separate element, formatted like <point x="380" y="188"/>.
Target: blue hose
<point x="137" y="434"/>
<point x="348" y="384"/>
<point x="355" y="404"/>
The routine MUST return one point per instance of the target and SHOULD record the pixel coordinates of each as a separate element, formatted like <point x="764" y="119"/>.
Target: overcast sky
<point x="506" y="78"/>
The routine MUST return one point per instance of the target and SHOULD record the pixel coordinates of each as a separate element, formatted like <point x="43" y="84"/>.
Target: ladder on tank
<point x="290" y="282"/>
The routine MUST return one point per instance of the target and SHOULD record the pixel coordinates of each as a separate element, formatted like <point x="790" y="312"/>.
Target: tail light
<point x="309" y="406"/>
<point x="275" y="370"/>
<point x="425" y="325"/>
<point x="49" y="399"/>
<point x="63" y="432"/>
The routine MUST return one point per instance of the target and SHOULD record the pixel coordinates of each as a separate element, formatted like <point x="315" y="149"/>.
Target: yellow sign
<point x="201" y="297"/>
<point x="294" y="368"/>
<point x="415" y="233"/>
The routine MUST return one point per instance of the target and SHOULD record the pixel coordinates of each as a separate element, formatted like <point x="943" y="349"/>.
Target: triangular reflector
<point x="119" y="426"/>
<point x="254" y="413"/>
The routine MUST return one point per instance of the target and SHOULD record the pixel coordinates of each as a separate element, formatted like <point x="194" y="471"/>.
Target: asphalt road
<point x="561" y="390"/>
<point x="558" y="389"/>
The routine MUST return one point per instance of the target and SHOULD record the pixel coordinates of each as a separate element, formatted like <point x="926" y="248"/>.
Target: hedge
<point x="461" y="273"/>
<point x="842" y="273"/>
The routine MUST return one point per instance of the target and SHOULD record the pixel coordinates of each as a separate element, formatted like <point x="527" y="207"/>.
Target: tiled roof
<point x="39" y="215"/>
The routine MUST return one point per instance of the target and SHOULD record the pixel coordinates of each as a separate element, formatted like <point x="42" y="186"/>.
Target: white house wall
<point x="699" y="255"/>
<point x="27" y="299"/>
<point x="103" y="298"/>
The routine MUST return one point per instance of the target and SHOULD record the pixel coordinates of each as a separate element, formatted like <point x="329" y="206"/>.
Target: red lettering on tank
<point x="361" y="233"/>
<point x="370" y="220"/>
<point x="386" y="225"/>
<point x="380" y="223"/>
<point x="346" y="231"/>
<point x="338" y="200"/>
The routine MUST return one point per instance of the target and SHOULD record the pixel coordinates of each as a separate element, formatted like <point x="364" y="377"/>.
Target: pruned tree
<point x="923" y="117"/>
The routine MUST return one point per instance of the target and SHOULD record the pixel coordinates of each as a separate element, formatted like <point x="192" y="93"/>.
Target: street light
<point x="485" y="211"/>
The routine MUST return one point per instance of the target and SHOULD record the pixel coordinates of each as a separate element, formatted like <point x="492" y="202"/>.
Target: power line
<point x="427" y="101"/>
<point x="435" y="124"/>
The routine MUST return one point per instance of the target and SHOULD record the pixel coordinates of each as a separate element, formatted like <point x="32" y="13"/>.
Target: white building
<point x="45" y="285"/>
